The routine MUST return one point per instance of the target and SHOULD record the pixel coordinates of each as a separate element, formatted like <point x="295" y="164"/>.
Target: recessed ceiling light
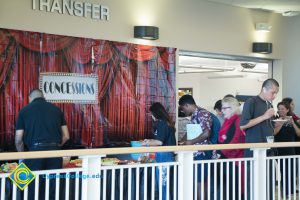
<point x="226" y="76"/>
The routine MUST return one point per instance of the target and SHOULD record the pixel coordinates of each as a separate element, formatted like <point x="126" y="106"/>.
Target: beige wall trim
<point x="110" y="151"/>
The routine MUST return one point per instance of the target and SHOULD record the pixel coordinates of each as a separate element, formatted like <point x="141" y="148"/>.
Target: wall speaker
<point x="262" y="47"/>
<point x="146" y="32"/>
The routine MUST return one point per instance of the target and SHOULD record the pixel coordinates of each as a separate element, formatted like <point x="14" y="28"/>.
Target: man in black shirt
<point x="41" y="126"/>
<point x="256" y="120"/>
<point x="257" y="114"/>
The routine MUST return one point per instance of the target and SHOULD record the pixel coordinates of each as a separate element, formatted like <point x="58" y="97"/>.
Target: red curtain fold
<point x="80" y="51"/>
<point x="137" y="52"/>
<point x="106" y="75"/>
<point x="7" y="51"/>
<point x="4" y="41"/>
<point x="131" y="78"/>
<point x="168" y="57"/>
<point x="122" y="109"/>
<point x="7" y="113"/>
<point x="103" y="51"/>
<point x="41" y="42"/>
<point x="15" y="94"/>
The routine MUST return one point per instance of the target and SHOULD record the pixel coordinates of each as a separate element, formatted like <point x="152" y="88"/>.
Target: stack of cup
<point x="136" y="156"/>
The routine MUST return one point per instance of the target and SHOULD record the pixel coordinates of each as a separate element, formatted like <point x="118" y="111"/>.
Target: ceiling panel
<point x="277" y="6"/>
<point x="221" y="67"/>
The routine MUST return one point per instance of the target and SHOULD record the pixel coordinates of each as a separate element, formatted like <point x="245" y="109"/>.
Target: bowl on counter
<point x="136" y="156"/>
<point x="136" y="143"/>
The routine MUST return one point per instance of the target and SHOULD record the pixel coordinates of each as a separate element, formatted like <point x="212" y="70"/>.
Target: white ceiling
<point x="220" y="68"/>
<point x="277" y="6"/>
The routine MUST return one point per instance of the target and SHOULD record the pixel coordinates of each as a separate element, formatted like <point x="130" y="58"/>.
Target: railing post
<point x="260" y="174"/>
<point x="185" y="175"/>
<point x="91" y="166"/>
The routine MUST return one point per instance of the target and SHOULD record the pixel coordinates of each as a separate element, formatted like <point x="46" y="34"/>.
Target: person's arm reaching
<point x="159" y="136"/>
<point x="267" y="115"/>
<point x="205" y="121"/>
<point x="19" y="140"/>
<point x="65" y="134"/>
<point x="152" y="142"/>
<point x="295" y="125"/>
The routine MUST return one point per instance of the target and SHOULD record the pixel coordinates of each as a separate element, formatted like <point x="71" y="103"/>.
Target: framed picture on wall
<point x="184" y="91"/>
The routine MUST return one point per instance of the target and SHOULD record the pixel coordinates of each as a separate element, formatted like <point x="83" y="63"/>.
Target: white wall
<point x="290" y="45"/>
<point x="189" y="25"/>
<point x="194" y="25"/>
<point x="207" y="91"/>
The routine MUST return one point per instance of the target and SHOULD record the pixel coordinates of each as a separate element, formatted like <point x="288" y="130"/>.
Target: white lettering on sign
<point x="55" y="6"/>
<point x="68" y="5"/>
<point x="78" y="9"/>
<point x="45" y="3"/>
<point x="69" y="87"/>
<point x="73" y="8"/>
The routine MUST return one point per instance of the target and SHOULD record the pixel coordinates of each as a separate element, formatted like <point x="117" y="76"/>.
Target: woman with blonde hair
<point x="231" y="133"/>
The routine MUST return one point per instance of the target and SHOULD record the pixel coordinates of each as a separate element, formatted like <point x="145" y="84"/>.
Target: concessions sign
<point x="70" y="87"/>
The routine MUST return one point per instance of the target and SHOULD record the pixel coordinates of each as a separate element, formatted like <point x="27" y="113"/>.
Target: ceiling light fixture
<point x="207" y="67"/>
<point x="197" y="71"/>
<point x="254" y="71"/>
<point x="225" y="76"/>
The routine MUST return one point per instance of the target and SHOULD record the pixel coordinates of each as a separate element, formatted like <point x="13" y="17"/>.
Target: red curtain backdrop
<point x="131" y="78"/>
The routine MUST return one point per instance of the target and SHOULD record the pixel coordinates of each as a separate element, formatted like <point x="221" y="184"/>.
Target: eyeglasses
<point x="224" y="108"/>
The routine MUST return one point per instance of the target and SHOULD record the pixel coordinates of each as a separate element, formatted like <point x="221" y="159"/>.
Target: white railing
<point x="139" y="181"/>
<point x="62" y="185"/>
<point x="224" y="179"/>
<point x="263" y="177"/>
<point x="284" y="176"/>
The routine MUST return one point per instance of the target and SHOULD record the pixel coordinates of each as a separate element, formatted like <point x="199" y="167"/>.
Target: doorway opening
<point x="209" y="77"/>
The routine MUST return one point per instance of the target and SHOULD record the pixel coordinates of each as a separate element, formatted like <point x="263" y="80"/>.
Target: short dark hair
<point x="269" y="83"/>
<point x="228" y="95"/>
<point x="218" y="105"/>
<point x="186" y="99"/>
<point x="287" y="99"/>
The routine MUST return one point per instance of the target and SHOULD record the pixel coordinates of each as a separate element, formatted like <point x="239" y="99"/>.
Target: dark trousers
<point x="43" y="164"/>
<point x="164" y="157"/>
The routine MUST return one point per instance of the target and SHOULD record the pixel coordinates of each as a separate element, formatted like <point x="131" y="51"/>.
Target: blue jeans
<point x="164" y="157"/>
